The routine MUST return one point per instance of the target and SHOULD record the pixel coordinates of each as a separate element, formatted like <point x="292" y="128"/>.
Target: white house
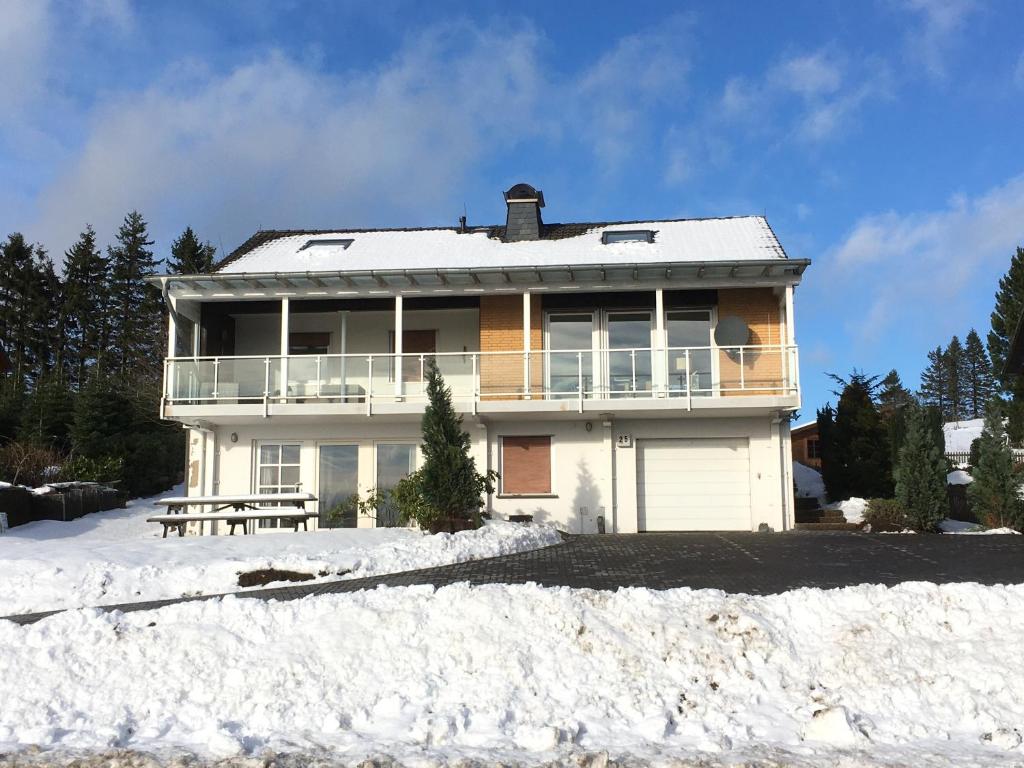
<point x="624" y="376"/>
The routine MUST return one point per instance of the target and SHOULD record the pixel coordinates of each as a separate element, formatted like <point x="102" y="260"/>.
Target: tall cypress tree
<point x="137" y="327"/>
<point x="935" y="382"/>
<point x="893" y="401"/>
<point x="860" y="443"/>
<point x="1005" y="317"/>
<point x="86" y="306"/>
<point x="957" y="384"/>
<point x="921" y="474"/>
<point x="980" y="383"/>
<point x="24" y="313"/>
<point x="831" y="473"/>
<point x="190" y="256"/>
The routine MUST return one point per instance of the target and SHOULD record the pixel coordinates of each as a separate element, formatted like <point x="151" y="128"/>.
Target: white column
<point x="398" y="348"/>
<point x="284" y="349"/>
<point x="526" y="345"/>
<point x="172" y="329"/>
<point x="659" y="368"/>
<point x="789" y="355"/>
<point x="343" y="350"/>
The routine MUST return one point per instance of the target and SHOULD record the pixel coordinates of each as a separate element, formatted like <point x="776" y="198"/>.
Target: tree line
<point x="85" y="346"/>
<point x="884" y="442"/>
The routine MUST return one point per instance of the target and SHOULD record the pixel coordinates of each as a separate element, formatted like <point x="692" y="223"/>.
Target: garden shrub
<point x="886" y="515"/>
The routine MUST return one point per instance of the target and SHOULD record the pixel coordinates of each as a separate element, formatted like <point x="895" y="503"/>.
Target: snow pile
<point x="116" y="556"/>
<point x="959" y="477"/>
<point x="960" y="434"/>
<point x="808" y="482"/>
<point x="853" y="509"/>
<point x="959" y="526"/>
<point x="914" y="674"/>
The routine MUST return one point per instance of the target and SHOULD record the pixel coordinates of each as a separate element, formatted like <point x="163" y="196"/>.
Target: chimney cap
<point x="523" y="192"/>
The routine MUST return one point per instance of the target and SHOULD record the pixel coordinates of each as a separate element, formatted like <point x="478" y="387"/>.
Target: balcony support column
<point x="284" y="349"/>
<point x="343" y="350"/>
<point x="659" y="361"/>
<point x="526" y="345"/>
<point x="399" y="391"/>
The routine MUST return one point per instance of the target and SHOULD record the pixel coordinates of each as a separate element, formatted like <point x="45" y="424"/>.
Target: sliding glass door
<point x="339" y="484"/>
<point x="629" y="354"/>
<point x="570" y="354"/>
<point x="690" y="371"/>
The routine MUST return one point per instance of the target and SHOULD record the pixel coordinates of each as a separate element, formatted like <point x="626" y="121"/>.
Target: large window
<point x="394" y="461"/>
<point x="813" y="448"/>
<point x="277" y="472"/>
<point x="689" y="355"/>
<point x="569" y="335"/>
<point x="629" y="353"/>
<point x="526" y="465"/>
<point x="339" y="482"/>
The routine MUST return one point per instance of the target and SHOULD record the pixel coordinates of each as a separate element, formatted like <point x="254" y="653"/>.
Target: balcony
<point x="684" y="378"/>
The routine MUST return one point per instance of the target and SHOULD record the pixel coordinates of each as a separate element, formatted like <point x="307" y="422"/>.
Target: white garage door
<point x="699" y="484"/>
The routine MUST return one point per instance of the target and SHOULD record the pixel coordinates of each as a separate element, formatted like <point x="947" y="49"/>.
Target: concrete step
<point x="826" y="527"/>
<point x="820" y="516"/>
<point x="803" y="502"/>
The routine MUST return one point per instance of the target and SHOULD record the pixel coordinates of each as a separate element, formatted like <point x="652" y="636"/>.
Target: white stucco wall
<point x="591" y="477"/>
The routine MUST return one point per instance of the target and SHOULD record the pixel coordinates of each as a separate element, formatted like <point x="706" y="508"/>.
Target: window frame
<point x="258" y="465"/>
<point x="627" y="236"/>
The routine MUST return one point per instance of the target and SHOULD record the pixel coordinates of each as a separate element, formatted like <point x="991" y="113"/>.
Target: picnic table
<point x="245" y="508"/>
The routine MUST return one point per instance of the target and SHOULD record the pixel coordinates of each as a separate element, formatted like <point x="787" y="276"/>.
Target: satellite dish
<point x="731" y="331"/>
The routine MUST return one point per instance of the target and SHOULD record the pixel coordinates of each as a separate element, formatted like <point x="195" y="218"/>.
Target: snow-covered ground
<point x="808" y="482"/>
<point x="116" y="556"/>
<point x="916" y="674"/>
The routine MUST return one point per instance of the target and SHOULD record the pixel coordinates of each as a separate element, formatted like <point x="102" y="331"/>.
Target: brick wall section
<point x="501" y="330"/>
<point x="759" y="308"/>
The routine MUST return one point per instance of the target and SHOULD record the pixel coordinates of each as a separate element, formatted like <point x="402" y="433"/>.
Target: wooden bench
<point x="246" y="508"/>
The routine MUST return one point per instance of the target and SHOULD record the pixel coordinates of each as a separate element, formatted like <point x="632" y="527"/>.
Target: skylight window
<point x="628" y="236"/>
<point x="328" y="242"/>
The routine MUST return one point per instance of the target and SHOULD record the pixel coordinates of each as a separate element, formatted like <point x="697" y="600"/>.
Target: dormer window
<point x="336" y="242"/>
<point x="628" y="236"/>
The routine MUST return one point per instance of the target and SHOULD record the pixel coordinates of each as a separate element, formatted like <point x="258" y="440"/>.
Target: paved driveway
<point x="756" y="563"/>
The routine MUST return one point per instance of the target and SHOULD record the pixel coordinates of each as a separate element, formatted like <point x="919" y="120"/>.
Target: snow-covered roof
<point x="742" y="238"/>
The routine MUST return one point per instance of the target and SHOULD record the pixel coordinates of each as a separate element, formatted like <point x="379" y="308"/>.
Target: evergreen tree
<point x="892" y="395"/>
<point x="20" y="307"/>
<point x="956" y="367"/>
<point x="189" y="256"/>
<point x="48" y="414"/>
<point x="893" y="401"/>
<point x="831" y="472"/>
<point x="137" y="313"/>
<point x="994" y="492"/>
<point x="935" y="382"/>
<point x="921" y="474"/>
<point x="1005" y="318"/>
<point x="85" y="307"/>
<point x="449" y="481"/>
<point x="860" y="445"/>
<point x="980" y="384"/>
<point x="12" y="398"/>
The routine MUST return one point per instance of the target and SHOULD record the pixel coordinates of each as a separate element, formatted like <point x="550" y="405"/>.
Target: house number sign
<point x="624" y="441"/>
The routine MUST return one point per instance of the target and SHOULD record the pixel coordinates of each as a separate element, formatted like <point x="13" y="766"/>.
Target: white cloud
<point x="940" y="23"/>
<point x="612" y="97"/>
<point x="25" y="36"/>
<point x="274" y="143"/>
<point x="810" y="75"/>
<point x="911" y="265"/>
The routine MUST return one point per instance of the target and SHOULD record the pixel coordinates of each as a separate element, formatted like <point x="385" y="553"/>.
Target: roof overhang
<point x="476" y="280"/>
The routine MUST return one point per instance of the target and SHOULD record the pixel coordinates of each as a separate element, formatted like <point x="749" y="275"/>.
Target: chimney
<point x="523" y="222"/>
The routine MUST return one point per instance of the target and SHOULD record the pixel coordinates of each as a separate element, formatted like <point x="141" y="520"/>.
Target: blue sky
<point x="884" y="140"/>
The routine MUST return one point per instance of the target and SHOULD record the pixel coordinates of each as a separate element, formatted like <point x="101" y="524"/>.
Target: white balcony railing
<point x="677" y="372"/>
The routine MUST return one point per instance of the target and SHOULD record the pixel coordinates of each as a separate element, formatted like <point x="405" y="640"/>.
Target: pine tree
<point x="921" y="475"/>
<point x="137" y="313"/>
<point x="189" y="256"/>
<point x="47" y="414"/>
<point x="860" y="444"/>
<point x="893" y="401"/>
<point x="935" y="382"/>
<point x="980" y="383"/>
<point x="85" y="306"/>
<point x="449" y="481"/>
<point x="1005" y="317"/>
<point x="957" y="379"/>
<point x="831" y="472"/>
<point x="994" y="493"/>
<point x="29" y="301"/>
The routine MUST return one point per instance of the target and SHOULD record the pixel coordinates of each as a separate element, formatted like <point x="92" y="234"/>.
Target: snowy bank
<point x="116" y="556"/>
<point x="960" y="434"/>
<point x="914" y="674"/>
<point x="853" y="509"/>
<point x="808" y="482"/>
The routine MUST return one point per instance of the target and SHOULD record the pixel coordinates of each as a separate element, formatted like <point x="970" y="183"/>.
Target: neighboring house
<point x="806" y="444"/>
<point x="636" y="374"/>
